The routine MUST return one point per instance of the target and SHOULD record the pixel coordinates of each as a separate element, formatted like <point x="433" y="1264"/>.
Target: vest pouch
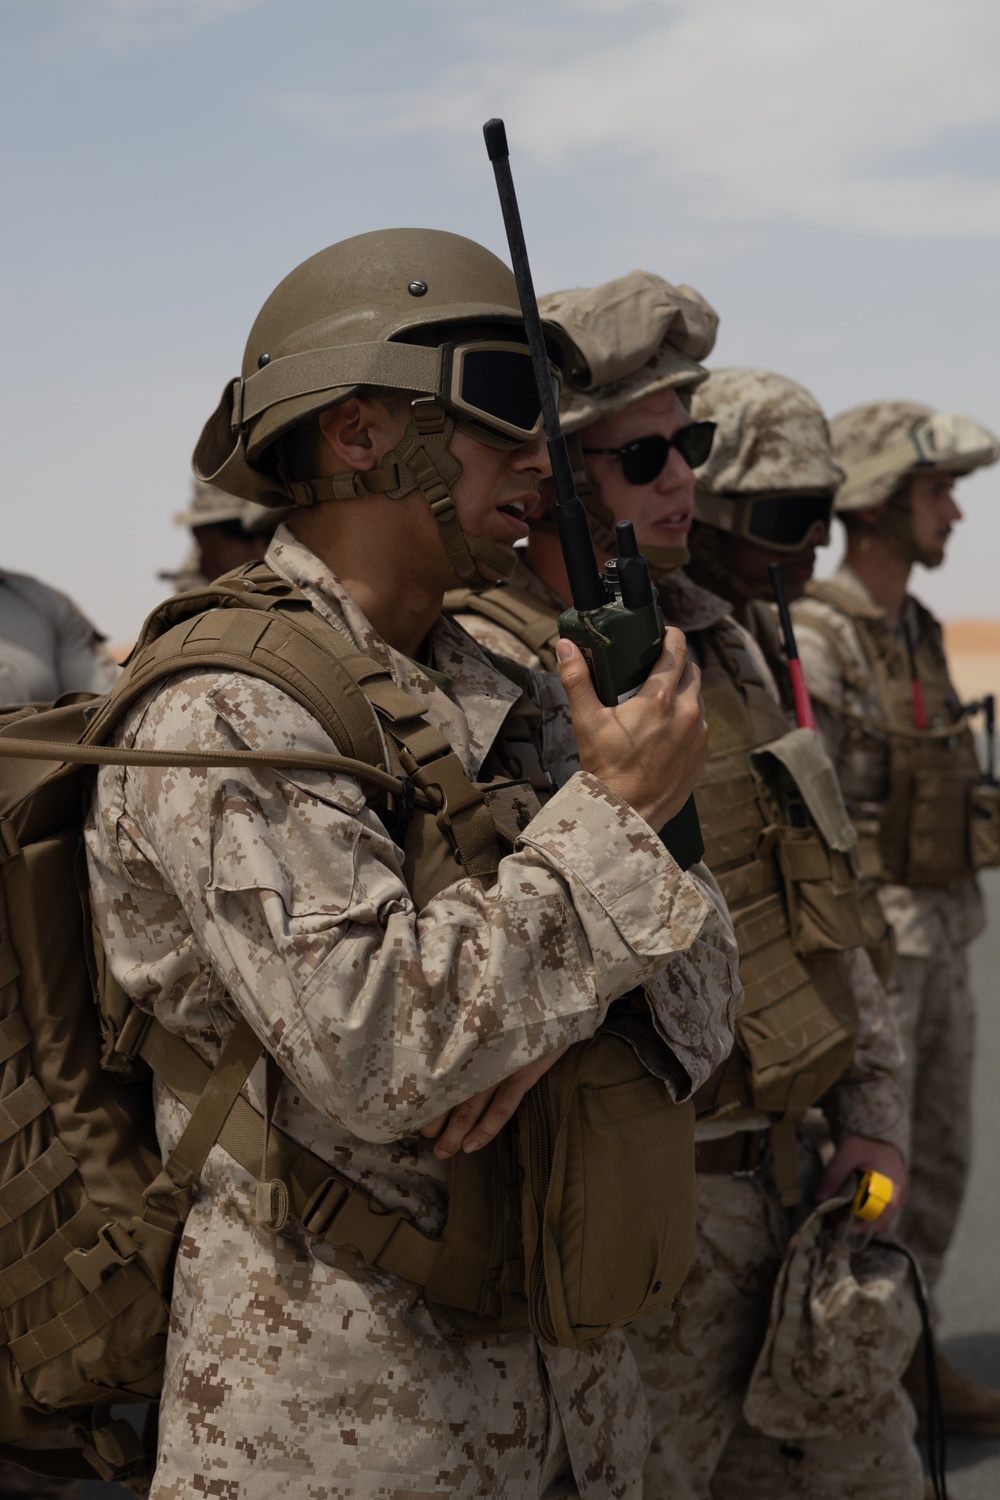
<point x="821" y="890"/>
<point x="984" y="825"/>
<point x="608" y="1201"/>
<point x="939" y="821"/>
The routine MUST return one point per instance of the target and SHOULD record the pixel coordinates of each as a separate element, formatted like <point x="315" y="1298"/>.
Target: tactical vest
<point x="940" y="820"/>
<point x="792" y="896"/>
<point x="526" y="617"/>
<point x="90" y="1219"/>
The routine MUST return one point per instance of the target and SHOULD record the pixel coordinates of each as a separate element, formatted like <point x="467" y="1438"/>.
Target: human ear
<point x="348" y="430"/>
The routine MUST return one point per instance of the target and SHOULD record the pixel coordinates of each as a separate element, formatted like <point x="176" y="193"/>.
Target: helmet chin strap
<point x="421" y="460"/>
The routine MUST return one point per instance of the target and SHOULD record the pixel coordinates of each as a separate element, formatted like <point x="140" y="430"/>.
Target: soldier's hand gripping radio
<point x="615" y="619"/>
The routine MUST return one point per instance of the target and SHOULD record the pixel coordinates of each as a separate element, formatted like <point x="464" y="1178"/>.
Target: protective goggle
<point x="491" y="388"/>
<point x="779" y="523"/>
<point x="486" y="384"/>
<point x="645" y="458"/>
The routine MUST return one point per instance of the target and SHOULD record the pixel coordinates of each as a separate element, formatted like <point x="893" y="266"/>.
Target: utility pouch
<point x="608" y="1204"/>
<point x="821" y="890"/>
<point x="939" y="841"/>
<point x="984" y="825"/>
<point x="580" y="1216"/>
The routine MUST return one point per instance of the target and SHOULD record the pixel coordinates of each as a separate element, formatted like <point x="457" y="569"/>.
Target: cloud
<point x="881" y="116"/>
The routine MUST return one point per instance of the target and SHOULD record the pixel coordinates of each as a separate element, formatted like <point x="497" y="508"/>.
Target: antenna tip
<point x="495" y="136"/>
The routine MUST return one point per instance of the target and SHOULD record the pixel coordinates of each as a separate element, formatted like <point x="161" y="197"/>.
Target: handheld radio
<point x="615" y="618"/>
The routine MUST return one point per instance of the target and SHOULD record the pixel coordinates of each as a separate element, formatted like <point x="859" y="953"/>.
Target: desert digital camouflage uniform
<point x="932" y="927"/>
<point x="702" y="1447"/>
<point x="292" y="1369"/>
<point x="47" y="646"/>
<point x="932" y="924"/>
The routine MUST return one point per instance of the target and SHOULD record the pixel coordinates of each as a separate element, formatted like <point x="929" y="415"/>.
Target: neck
<point x="716" y="583"/>
<point x="545" y="559"/>
<point x="882" y="569"/>
<point x="377" y="557"/>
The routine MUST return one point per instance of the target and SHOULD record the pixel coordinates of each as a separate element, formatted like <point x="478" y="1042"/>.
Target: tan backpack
<point x="89" y="1219"/>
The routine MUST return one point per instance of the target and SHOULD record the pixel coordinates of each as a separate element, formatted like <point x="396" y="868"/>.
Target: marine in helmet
<point x="815" y="1029"/>
<point x="386" y="395"/>
<point x="226" y="532"/>
<point x="891" y="719"/>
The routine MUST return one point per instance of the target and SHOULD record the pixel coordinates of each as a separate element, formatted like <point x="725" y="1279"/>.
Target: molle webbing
<point x="796" y="1032"/>
<point x="923" y="832"/>
<point x="326" y="1202"/>
<point x="530" y="621"/>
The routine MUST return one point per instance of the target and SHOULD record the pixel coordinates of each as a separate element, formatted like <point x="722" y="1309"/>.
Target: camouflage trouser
<point x="933" y="1007"/>
<point x="702" y="1449"/>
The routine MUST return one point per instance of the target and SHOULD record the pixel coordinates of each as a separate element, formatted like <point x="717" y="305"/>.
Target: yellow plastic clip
<point x="873" y="1196"/>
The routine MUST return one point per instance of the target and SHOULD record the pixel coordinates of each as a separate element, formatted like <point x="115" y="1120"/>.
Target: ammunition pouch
<point x="780" y="844"/>
<point x="925" y="833"/>
<point x="821" y="890"/>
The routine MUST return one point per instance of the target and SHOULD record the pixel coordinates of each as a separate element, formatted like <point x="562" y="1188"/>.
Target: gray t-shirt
<point x="47" y="646"/>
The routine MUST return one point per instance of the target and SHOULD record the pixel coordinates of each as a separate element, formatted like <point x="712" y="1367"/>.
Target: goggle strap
<point x="947" y="442"/>
<point x="894" y="460"/>
<point x="733" y="514"/>
<point x="401" y="367"/>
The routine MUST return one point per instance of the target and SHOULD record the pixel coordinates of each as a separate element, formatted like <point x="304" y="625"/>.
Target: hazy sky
<point x="824" y="171"/>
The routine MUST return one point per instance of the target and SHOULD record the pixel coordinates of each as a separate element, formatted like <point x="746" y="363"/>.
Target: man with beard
<point x="892" y="722"/>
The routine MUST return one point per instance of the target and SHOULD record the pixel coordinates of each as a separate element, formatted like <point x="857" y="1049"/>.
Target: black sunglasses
<point x="644" y="459"/>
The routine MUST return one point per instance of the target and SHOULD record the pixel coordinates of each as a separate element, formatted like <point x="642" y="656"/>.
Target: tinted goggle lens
<point x="645" y="459"/>
<point x="494" y="385"/>
<point x="788" y="521"/>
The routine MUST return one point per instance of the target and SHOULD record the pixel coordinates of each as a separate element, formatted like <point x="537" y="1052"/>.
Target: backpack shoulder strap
<point x="254" y="622"/>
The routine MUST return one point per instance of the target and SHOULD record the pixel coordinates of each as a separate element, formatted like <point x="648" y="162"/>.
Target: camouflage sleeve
<point x="866" y="1099"/>
<point x="383" y="1016"/>
<point x="696" y="998"/>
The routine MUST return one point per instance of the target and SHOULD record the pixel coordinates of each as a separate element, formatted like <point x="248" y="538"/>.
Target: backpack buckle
<point x="89" y="1266"/>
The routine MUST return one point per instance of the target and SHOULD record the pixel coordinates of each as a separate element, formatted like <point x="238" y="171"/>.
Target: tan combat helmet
<point x="390" y="310"/>
<point x="630" y="338"/>
<point x="771" y="476"/>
